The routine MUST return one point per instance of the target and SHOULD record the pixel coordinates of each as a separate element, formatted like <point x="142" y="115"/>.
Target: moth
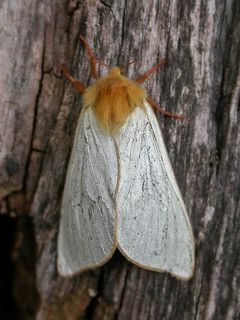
<point x="120" y="190"/>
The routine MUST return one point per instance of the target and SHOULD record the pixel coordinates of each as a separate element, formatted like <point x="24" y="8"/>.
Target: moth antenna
<point x="128" y="64"/>
<point x="104" y="64"/>
<point x="144" y="76"/>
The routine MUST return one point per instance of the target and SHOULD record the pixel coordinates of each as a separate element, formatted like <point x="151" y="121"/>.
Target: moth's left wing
<point x="86" y="233"/>
<point x="153" y="228"/>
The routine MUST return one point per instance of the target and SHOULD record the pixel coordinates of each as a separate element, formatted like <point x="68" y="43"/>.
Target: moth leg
<point x="91" y="56"/>
<point x="144" y="76"/>
<point x="76" y="84"/>
<point x="166" y="113"/>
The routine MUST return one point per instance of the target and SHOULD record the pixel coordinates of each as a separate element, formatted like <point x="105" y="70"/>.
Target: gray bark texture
<point x="38" y="114"/>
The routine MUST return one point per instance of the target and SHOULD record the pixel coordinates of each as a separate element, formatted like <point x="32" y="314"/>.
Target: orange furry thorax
<point x="113" y="97"/>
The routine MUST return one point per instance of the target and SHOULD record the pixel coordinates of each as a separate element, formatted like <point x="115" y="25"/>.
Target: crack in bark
<point x="39" y="150"/>
<point x="220" y="138"/>
<point x="163" y="79"/>
<point x="219" y="134"/>
<point x="198" y="300"/>
<point x="109" y="7"/>
<point x="89" y="312"/>
<point x="123" y="291"/>
<point x="73" y="8"/>
<point x="122" y="31"/>
<point x="24" y="185"/>
<point x="52" y="72"/>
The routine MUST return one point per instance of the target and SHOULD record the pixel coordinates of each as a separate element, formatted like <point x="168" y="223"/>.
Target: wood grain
<point x="38" y="114"/>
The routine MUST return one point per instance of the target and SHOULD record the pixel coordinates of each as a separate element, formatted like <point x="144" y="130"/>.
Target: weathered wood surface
<point x="38" y="114"/>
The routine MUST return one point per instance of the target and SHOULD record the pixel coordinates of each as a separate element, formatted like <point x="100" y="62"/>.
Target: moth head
<point x="114" y="71"/>
<point x="117" y="71"/>
<point x="113" y="97"/>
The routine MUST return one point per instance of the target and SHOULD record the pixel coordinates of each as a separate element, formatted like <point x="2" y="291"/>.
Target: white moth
<point x="120" y="191"/>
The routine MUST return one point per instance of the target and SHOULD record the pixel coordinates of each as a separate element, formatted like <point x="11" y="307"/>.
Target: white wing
<point x="86" y="236"/>
<point x="153" y="229"/>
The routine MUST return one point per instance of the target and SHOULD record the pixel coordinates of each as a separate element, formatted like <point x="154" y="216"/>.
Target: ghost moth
<point x="120" y="191"/>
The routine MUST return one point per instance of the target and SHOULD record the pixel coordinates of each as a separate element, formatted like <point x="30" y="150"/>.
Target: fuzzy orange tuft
<point x="113" y="97"/>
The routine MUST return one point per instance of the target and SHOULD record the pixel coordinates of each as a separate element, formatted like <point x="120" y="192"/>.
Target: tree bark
<point x="39" y="110"/>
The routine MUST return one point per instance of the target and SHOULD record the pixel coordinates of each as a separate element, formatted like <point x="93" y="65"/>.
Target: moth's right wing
<point x="153" y="228"/>
<point x="86" y="234"/>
